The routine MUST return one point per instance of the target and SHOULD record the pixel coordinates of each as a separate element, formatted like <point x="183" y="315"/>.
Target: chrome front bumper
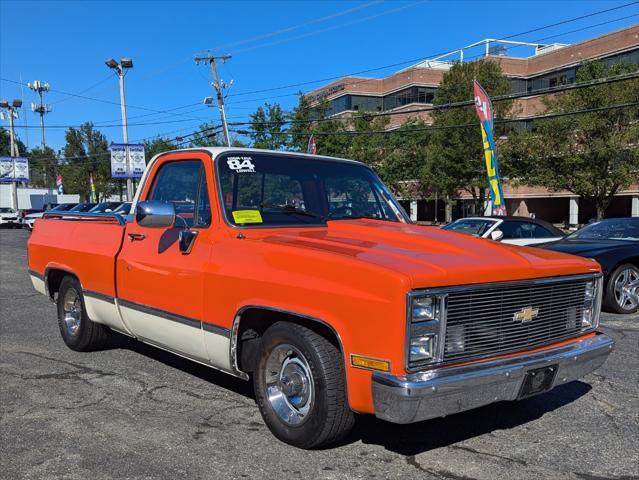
<point x="445" y="391"/>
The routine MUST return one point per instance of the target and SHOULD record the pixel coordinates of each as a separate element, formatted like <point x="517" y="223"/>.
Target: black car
<point x="614" y="243"/>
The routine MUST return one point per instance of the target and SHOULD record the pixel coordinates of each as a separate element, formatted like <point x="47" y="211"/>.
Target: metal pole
<point x="42" y="120"/>
<point x="220" y="102"/>
<point x="14" y="153"/>
<point x="125" y="134"/>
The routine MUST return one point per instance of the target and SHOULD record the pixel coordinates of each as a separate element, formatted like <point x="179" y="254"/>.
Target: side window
<point x="183" y="183"/>
<point x="540" y="232"/>
<point x="511" y="230"/>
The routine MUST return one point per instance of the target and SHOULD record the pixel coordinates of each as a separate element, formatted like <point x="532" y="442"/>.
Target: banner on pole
<point x="59" y="184"/>
<point x="312" y="145"/>
<point x="484" y="110"/>
<point x="137" y="163"/>
<point x="14" y="169"/>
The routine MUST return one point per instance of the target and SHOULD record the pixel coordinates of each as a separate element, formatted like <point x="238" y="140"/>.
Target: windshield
<point x="470" y="226"/>
<point x="105" y="207"/>
<point x="612" y="229"/>
<point x="83" y="207"/>
<point x="6" y="210"/>
<point x="63" y="207"/>
<point x="260" y="189"/>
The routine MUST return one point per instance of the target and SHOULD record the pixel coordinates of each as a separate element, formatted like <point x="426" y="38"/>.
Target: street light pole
<point x="120" y="68"/>
<point x="13" y="148"/>
<point x="218" y="91"/>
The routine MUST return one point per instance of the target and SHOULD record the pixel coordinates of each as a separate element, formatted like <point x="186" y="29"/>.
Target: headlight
<point x="424" y="329"/>
<point x="592" y="304"/>
<point x="424" y="308"/>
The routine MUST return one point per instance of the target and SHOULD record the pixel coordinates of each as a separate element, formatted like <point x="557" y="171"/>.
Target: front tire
<point x="77" y="330"/>
<point x="622" y="291"/>
<point x="300" y="387"/>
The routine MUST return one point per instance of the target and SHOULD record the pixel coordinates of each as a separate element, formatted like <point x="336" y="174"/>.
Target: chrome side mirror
<point x="496" y="235"/>
<point x="155" y="214"/>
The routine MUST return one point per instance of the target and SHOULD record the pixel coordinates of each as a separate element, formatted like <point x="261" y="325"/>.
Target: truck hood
<point x="432" y="257"/>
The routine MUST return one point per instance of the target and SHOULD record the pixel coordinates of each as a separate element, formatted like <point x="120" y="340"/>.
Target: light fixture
<point x="126" y="63"/>
<point x="17" y="103"/>
<point x="4" y="104"/>
<point x="111" y="63"/>
<point x="208" y="100"/>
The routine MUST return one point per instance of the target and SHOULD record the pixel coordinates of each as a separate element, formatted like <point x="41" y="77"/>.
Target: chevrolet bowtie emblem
<point x="526" y="314"/>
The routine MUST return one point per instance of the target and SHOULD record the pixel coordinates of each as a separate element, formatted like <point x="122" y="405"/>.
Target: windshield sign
<point x="284" y="190"/>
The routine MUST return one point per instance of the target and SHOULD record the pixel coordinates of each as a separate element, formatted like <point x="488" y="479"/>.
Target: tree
<point x="5" y="144"/>
<point x="454" y="157"/>
<point x="157" y="145"/>
<point x="405" y="159"/>
<point x="207" y="136"/>
<point x="593" y="155"/>
<point x="86" y="153"/>
<point x="43" y="167"/>
<point x="267" y="127"/>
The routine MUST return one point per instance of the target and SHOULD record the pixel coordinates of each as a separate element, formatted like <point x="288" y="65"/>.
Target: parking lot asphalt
<point x="136" y="412"/>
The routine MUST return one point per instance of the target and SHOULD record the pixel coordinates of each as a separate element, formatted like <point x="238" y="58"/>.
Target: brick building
<point x="530" y="67"/>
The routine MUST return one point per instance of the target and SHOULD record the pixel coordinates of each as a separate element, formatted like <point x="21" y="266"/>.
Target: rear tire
<point x="300" y="387"/>
<point x="622" y="291"/>
<point x="77" y="330"/>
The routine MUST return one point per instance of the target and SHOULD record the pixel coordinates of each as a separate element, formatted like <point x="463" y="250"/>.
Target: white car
<point x="513" y="230"/>
<point x="9" y="217"/>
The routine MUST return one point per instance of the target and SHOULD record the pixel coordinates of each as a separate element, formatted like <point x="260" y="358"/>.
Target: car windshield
<point x="6" y="210"/>
<point x="470" y="226"/>
<point x="105" y="207"/>
<point x="83" y="207"/>
<point x="63" y="208"/>
<point x="283" y="190"/>
<point x="626" y="229"/>
<point x="123" y="208"/>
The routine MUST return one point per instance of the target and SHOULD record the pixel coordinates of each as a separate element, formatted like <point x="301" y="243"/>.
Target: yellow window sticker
<point x="247" y="216"/>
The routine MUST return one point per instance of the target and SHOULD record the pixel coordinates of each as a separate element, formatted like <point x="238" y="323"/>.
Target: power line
<point x="511" y="96"/>
<point x="455" y="126"/>
<point x="416" y="60"/>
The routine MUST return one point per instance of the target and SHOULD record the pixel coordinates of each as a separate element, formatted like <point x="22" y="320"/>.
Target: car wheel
<point x="300" y="387"/>
<point x="77" y="330"/>
<point x="622" y="291"/>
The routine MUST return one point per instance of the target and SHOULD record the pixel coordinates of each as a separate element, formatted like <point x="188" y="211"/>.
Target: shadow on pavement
<point x="203" y="372"/>
<point x="411" y="439"/>
<point x="420" y="437"/>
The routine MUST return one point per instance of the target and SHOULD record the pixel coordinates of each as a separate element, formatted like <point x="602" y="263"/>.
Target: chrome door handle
<point x="136" y="236"/>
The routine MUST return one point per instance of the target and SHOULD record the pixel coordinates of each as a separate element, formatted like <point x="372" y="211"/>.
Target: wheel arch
<point x="250" y="323"/>
<point x="53" y="276"/>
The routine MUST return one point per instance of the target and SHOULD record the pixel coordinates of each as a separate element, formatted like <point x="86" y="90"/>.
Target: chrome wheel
<point x="72" y="308"/>
<point x="289" y="384"/>
<point x="627" y="289"/>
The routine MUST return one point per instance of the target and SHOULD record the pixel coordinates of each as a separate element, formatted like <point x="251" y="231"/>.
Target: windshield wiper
<point x="290" y="209"/>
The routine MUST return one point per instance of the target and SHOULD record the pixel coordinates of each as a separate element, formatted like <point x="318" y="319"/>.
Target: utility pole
<point x="120" y="70"/>
<point x="41" y="108"/>
<point x="217" y="85"/>
<point x="11" y="113"/>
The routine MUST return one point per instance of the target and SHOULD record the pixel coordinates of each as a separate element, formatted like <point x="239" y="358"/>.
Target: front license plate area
<point x="537" y="381"/>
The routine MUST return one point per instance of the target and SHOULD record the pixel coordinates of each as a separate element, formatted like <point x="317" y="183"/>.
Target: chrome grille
<point x="482" y="322"/>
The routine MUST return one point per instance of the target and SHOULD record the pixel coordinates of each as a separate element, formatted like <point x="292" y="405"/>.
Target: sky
<point x="273" y="44"/>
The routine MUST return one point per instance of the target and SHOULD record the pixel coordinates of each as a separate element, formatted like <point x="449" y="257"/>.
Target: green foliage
<point x="593" y="155"/>
<point x="207" y="136"/>
<point x="86" y="153"/>
<point x="454" y="156"/>
<point x="43" y="167"/>
<point x="157" y="145"/>
<point x="5" y="144"/>
<point x="267" y="127"/>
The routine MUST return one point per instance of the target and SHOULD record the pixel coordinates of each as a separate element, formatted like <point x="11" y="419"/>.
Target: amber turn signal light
<point x="371" y="363"/>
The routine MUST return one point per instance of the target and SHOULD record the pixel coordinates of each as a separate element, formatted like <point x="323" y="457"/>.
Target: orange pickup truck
<point x="304" y="273"/>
